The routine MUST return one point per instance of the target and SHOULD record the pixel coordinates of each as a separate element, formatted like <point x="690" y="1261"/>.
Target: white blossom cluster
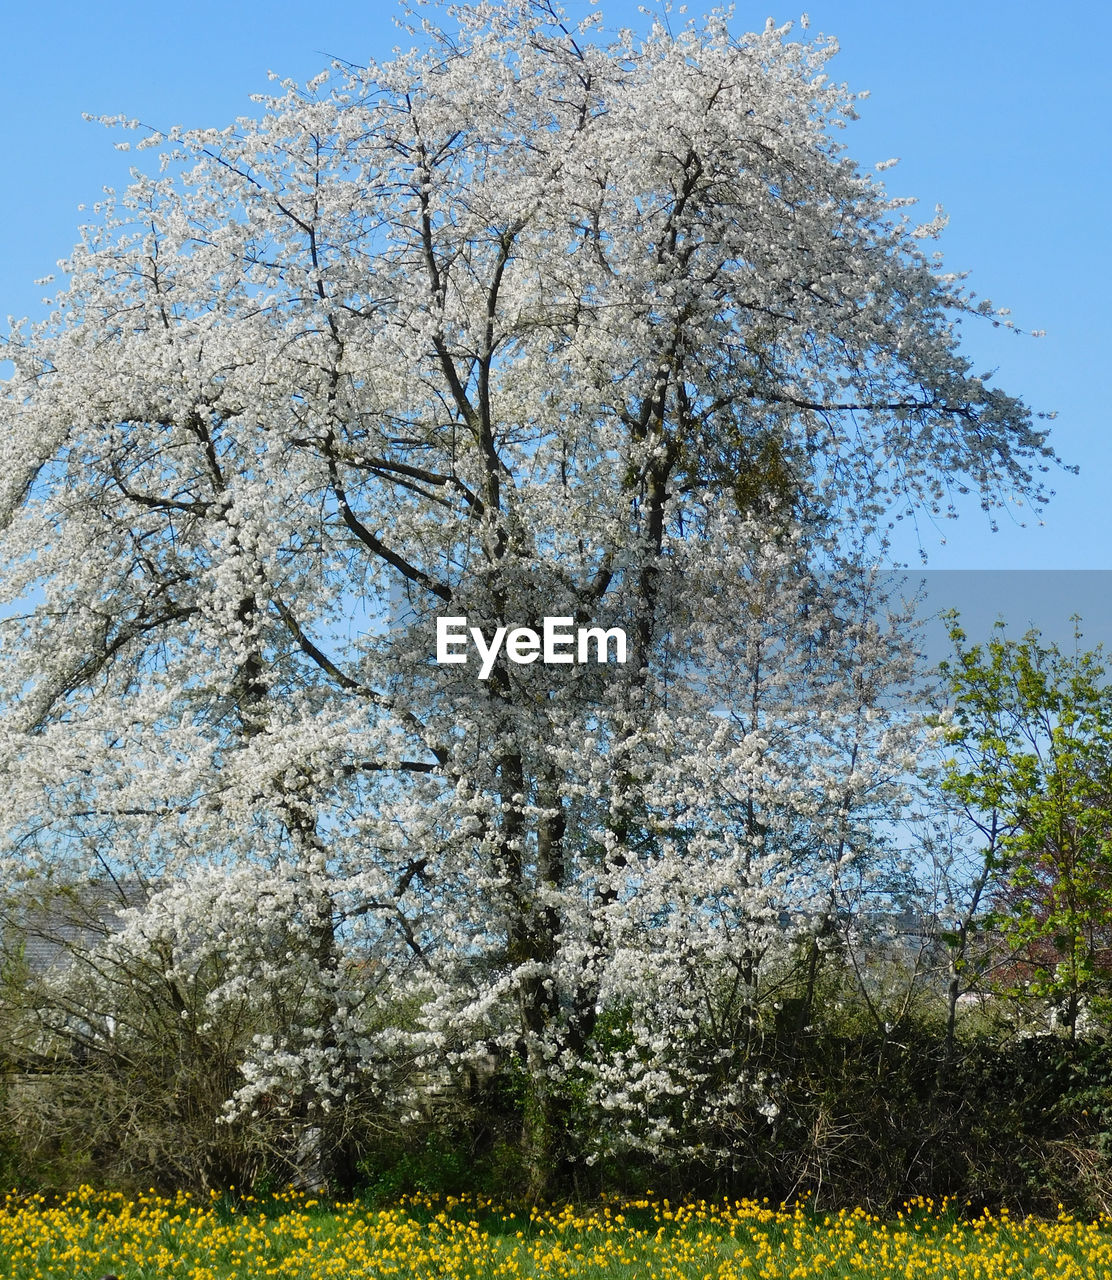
<point x="518" y="324"/>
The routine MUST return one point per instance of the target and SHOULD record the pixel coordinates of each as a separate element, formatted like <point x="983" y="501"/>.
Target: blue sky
<point x="997" y="110"/>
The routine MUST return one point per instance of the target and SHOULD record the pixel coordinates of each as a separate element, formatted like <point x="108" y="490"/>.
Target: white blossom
<point x="516" y="326"/>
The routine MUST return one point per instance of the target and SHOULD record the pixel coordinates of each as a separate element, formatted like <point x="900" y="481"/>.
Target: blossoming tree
<point x="520" y="325"/>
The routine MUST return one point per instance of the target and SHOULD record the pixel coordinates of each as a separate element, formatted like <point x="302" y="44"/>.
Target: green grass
<point x="87" y="1234"/>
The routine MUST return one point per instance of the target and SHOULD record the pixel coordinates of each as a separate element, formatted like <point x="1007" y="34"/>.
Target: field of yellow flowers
<point x="87" y="1234"/>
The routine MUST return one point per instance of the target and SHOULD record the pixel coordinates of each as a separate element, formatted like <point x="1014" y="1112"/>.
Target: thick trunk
<point x="546" y="1138"/>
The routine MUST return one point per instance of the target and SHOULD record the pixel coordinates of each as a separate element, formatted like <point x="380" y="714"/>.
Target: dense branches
<point x="517" y="325"/>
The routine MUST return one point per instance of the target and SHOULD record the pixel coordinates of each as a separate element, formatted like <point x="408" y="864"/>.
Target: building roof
<point x="46" y="925"/>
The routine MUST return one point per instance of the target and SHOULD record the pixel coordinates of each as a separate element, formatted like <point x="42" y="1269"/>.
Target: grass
<point x="86" y="1234"/>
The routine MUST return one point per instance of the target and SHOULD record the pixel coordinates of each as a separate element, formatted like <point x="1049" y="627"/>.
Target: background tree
<point x="1032" y="734"/>
<point x="517" y="324"/>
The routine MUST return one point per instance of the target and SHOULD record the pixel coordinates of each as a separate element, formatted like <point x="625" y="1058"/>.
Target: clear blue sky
<point x="998" y="110"/>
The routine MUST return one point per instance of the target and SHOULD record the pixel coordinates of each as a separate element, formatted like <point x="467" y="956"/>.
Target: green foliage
<point x="1031" y="736"/>
<point x="9" y="1146"/>
<point x="434" y="1164"/>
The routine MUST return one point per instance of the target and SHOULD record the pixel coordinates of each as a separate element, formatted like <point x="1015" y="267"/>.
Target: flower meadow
<point x="86" y="1234"/>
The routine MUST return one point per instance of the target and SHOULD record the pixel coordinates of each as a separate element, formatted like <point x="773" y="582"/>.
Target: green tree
<point x="1031" y="734"/>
